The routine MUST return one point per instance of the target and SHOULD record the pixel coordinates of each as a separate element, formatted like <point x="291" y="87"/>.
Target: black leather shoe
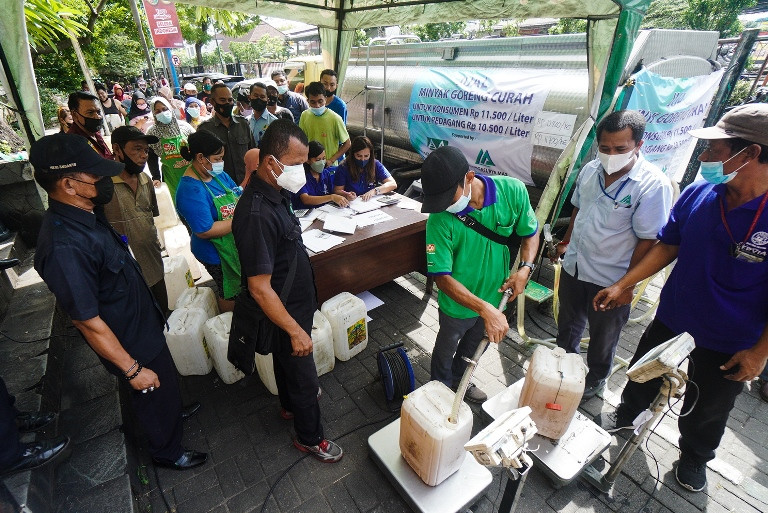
<point x="189" y="459"/>
<point x="189" y="410"/>
<point x="32" y="421"/>
<point x="36" y="454"/>
<point x="7" y="263"/>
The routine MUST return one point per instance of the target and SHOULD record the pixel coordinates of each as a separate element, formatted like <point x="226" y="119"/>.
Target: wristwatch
<point x="527" y="264"/>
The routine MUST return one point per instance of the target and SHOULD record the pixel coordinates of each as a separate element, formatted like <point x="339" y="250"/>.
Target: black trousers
<point x="159" y="412"/>
<point x="701" y="430"/>
<point x="10" y="447"/>
<point x="297" y="385"/>
<point x="604" y="327"/>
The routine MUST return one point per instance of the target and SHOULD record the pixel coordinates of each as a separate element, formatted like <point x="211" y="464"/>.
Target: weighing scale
<point x="562" y="460"/>
<point x="456" y="493"/>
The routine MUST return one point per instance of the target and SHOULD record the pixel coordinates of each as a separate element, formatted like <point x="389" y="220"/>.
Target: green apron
<point x="172" y="163"/>
<point x="225" y="245"/>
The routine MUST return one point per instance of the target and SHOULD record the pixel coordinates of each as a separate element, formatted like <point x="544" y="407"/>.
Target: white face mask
<point x="164" y="117"/>
<point x="292" y="179"/>
<point x="282" y="89"/>
<point x="614" y="163"/>
<point x="462" y="202"/>
<point x="193" y="113"/>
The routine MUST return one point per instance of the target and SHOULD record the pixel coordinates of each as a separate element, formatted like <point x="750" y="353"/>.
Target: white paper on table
<point x="409" y="204"/>
<point x="370" y="300"/>
<point x="317" y="240"/>
<point x="331" y="208"/>
<point x="372" y="217"/>
<point x="339" y="224"/>
<point x="360" y="206"/>
<point x="312" y="215"/>
<point x="305" y="223"/>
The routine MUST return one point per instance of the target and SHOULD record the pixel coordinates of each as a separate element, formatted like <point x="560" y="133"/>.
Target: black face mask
<point x="105" y="188"/>
<point x="272" y="101"/>
<point x="224" y="110"/>
<point x="91" y="125"/>
<point x="259" y="105"/>
<point x="132" y="167"/>
<point x="328" y="93"/>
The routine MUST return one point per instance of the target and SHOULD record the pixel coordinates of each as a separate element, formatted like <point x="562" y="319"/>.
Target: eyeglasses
<point x="81" y="181"/>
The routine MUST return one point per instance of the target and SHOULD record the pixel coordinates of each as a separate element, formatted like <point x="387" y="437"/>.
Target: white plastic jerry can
<point x="178" y="278"/>
<point x="216" y="332"/>
<point x="553" y="388"/>
<point x="429" y="442"/>
<point x="199" y="297"/>
<point x="322" y="344"/>
<point x="177" y="242"/>
<point x="167" y="217"/>
<point x="347" y="315"/>
<point x="186" y="342"/>
<point x="266" y="372"/>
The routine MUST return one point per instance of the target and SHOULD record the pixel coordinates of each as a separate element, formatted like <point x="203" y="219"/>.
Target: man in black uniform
<point x="99" y="285"/>
<point x="268" y="238"/>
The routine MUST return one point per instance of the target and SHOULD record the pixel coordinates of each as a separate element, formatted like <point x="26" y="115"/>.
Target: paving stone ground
<point x="253" y="466"/>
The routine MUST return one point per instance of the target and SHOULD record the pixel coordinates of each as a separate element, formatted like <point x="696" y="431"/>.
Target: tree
<point x="437" y="31"/>
<point x="665" y="14"/>
<point x="48" y="21"/>
<point x="197" y="23"/>
<point x="361" y="38"/>
<point x="719" y="15"/>
<point x="569" y="26"/>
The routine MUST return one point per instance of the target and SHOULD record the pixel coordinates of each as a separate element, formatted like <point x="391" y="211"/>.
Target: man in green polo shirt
<point x="470" y="269"/>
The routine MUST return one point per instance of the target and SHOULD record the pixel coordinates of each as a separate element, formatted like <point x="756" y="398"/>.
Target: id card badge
<point x="738" y="252"/>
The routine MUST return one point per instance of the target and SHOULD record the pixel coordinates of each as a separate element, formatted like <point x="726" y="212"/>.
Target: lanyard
<point x="754" y="220"/>
<point x="612" y="198"/>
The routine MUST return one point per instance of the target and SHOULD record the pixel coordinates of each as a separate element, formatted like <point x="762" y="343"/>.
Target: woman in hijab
<point x="178" y="105"/>
<point x="173" y="135"/>
<point x="117" y="90"/>
<point x="139" y="115"/>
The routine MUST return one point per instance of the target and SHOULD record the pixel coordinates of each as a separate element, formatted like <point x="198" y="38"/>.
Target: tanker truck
<point x="511" y="104"/>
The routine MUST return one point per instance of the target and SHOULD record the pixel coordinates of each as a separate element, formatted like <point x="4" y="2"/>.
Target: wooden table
<point x="373" y="255"/>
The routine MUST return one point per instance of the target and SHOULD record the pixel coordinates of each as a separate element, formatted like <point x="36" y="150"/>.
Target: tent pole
<point x="336" y="61"/>
<point x="14" y="90"/>
<point x="137" y="19"/>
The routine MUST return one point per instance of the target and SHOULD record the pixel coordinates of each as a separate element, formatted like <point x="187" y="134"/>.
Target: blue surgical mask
<point x="362" y="163"/>
<point x="462" y="202"/>
<point x="713" y="171"/>
<point x="164" y="117"/>
<point x="216" y="167"/>
<point x="318" y="111"/>
<point x="193" y="113"/>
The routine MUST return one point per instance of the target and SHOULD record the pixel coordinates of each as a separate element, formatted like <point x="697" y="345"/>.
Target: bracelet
<point x="135" y="363"/>
<point x="129" y="378"/>
<point x="376" y="190"/>
<point x="564" y="242"/>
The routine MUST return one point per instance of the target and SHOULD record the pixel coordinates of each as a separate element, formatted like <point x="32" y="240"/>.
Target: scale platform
<point x="454" y="494"/>
<point x="564" y="460"/>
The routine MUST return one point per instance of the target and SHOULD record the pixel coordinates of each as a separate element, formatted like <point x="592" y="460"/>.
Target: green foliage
<point x="49" y="20"/>
<point x="361" y="38"/>
<point x="740" y="92"/>
<point x="569" y="26"/>
<point x="50" y="100"/>
<point x="122" y="58"/>
<point x="437" y="31"/>
<point x="665" y="14"/>
<point x="58" y="70"/>
<point x="268" y="47"/>
<point x="195" y="23"/>
<point x="720" y="15"/>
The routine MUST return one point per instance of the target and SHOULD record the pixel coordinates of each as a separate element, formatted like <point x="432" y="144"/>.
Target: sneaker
<point x="612" y="422"/>
<point x="691" y="475"/>
<point x="592" y="390"/>
<point x="474" y="394"/>
<point x="326" y="451"/>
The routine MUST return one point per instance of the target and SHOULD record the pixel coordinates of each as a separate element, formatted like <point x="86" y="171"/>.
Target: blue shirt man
<point x="261" y="117"/>
<point x="718" y="290"/>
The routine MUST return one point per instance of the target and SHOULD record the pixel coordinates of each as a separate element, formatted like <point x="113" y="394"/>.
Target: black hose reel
<point x="396" y="374"/>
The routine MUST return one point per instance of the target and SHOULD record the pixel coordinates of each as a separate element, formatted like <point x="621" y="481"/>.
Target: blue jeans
<point x="455" y="339"/>
<point x="702" y="429"/>
<point x="604" y="326"/>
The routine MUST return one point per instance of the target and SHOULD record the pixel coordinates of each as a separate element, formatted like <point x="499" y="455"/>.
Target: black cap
<point x="70" y="153"/>
<point x="123" y="134"/>
<point x="441" y="172"/>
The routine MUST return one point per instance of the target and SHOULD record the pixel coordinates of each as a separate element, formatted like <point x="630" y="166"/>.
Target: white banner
<point x="489" y="115"/>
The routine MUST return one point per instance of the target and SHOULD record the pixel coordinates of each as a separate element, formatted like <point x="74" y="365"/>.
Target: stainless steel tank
<point x="567" y="92"/>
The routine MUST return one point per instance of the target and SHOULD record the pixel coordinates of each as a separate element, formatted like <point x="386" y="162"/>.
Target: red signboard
<point x="163" y="24"/>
